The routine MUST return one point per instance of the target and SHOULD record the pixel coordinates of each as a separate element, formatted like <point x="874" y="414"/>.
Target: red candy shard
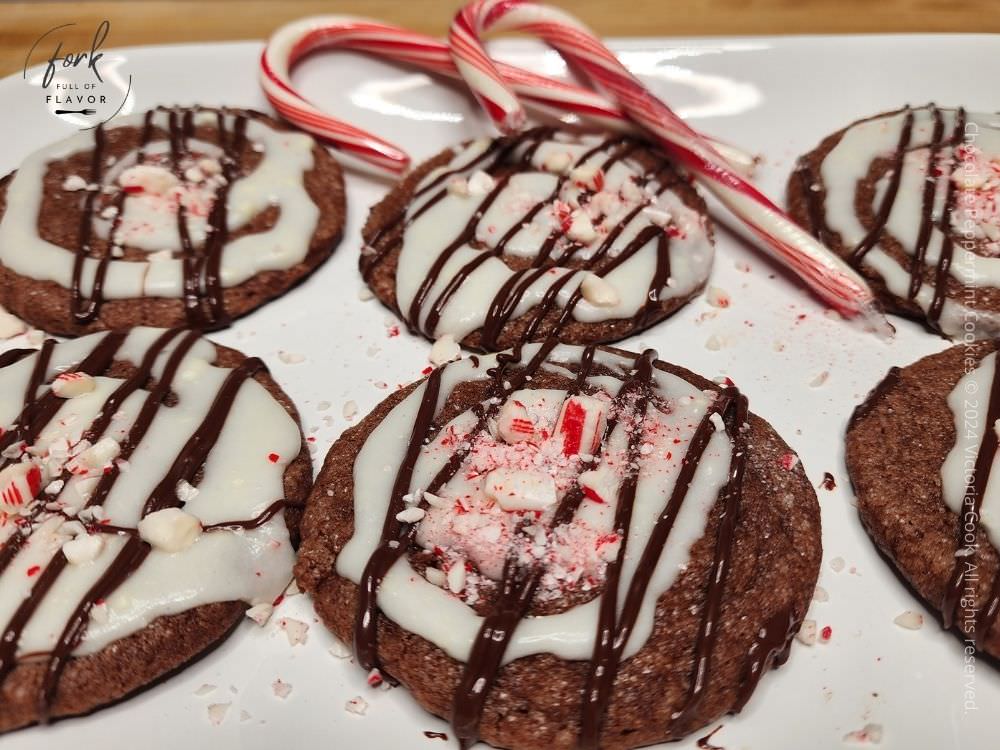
<point x="571" y="426"/>
<point x="273" y="457"/>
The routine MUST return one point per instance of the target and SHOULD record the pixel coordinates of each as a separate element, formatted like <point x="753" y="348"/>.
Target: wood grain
<point x="163" y="21"/>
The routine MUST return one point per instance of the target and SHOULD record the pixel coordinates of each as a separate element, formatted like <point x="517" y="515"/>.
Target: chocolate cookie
<point x="151" y="488"/>
<point x="563" y="547"/>
<point x="499" y="242"/>
<point x="921" y="451"/>
<point x="909" y="198"/>
<point x="181" y="216"/>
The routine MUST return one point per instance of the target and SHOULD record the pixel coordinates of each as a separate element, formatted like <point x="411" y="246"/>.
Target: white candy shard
<point x="73" y="183"/>
<point x="217" y="712"/>
<point x="598" y="291"/>
<point x="456" y="576"/>
<point x="436" y="576"/>
<point x="445" y="350"/>
<point x="291" y="358"/>
<point x="296" y="630"/>
<point x="588" y="176"/>
<point x="186" y="492"/>
<point x="70" y="384"/>
<point x="83" y="549"/>
<point x="458" y="186"/>
<point x="209" y="166"/>
<point x="148" y="178"/>
<point x="411" y="515"/>
<point x="170" y="530"/>
<point x="260" y="613"/>
<point x="807" y="633"/>
<point x="101" y="453"/>
<point x="910" y="620"/>
<point x="558" y="162"/>
<point x="581" y="229"/>
<point x="514" y="424"/>
<point x="356" y="705"/>
<point x="481" y="183"/>
<point x="581" y="424"/>
<point x="19" y="485"/>
<point x="513" y="489"/>
<point x="599" y="485"/>
<point x="281" y="688"/>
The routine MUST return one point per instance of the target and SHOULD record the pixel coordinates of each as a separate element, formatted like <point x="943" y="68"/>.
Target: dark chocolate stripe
<point x="191" y="457"/>
<point x="735" y="416"/>
<point x="885" y="207"/>
<point x="947" y="245"/>
<point x="769" y="650"/>
<point x="508" y="297"/>
<point x="39" y="411"/>
<point x="365" y="635"/>
<point x="927" y="208"/>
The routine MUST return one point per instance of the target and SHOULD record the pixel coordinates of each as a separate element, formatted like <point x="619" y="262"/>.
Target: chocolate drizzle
<point x="502" y="160"/>
<point x="936" y="170"/>
<point x="202" y="291"/>
<point x="40" y="408"/>
<point x="519" y="581"/>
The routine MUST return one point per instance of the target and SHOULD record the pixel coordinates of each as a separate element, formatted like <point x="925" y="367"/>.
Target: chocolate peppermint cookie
<point x="496" y="242"/>
<point x="179" y="216"/>
<point x="562" y="547"/>
<point x="921" y="452"/>
<point x="151" y="486"/>
<point x="909" y="198"/>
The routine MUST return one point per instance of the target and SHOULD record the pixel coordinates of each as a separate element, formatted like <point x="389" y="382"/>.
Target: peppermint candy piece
<point x="19" y="485"/>
<point x="515" y="490"/>
<point x="581" y="424"/>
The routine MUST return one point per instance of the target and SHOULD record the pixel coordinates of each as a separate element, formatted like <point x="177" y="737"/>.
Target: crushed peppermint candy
<point x="909" y="620"/>
<point x="356" y="705"/>
<point x="870" y="734"/>
<point x="281" y="688"/>
<point x="296" y="630"/>
<point x="217" y="712"/>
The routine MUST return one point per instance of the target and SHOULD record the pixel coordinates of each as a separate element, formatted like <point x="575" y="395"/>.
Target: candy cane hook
<point x="826" y="274"/>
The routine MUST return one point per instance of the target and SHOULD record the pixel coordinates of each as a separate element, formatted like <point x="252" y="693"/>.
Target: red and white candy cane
<point x="292" y="42"/>
<point x="831" y="278"/>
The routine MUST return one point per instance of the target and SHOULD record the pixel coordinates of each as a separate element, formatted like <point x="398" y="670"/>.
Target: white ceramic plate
<point x="776" y="97"/>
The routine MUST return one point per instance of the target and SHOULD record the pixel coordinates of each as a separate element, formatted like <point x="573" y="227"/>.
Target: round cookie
<point x="197" y="216"/>
<point x="151" y="489"/>
<point x="489" y="506"/>
<point x="497" y="242"/>
<point x="921" y="452"/>
<point x="909" y="198"/>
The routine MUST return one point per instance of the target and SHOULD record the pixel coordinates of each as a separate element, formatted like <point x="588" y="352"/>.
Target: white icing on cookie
<point x="150" y="224"/>
<point x="432" y="610"/>
<point x="243" y="477"/>
<point x="974" y="222"/>
<point x="589" y="203"/>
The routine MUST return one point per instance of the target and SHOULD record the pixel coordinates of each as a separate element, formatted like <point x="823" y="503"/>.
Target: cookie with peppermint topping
<point x="560" y="546"/>
<point x="176" y="216"/>
<point x="588" y="238"/>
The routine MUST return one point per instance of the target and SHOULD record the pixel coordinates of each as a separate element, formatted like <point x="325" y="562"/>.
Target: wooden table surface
<point x="160" y="21"/>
